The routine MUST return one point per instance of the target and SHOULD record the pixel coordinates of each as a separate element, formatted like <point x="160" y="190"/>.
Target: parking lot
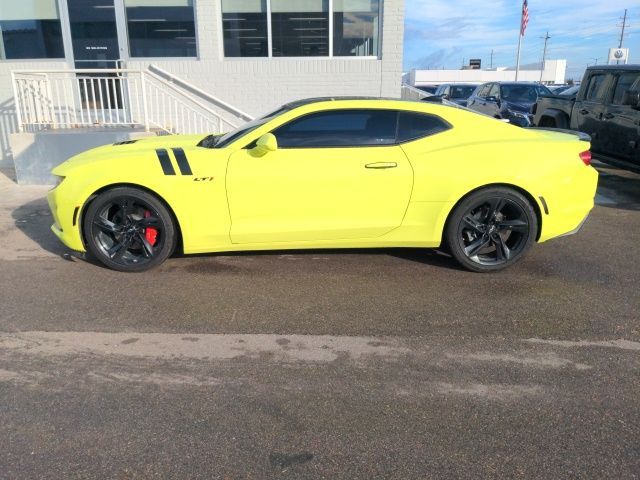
<point x="322" y="364"/>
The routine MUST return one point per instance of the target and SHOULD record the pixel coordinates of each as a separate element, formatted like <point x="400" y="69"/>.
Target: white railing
<point x="106" y="98"/>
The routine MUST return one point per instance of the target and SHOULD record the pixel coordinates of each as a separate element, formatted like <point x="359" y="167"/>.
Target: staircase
<point x="151" y="99"/>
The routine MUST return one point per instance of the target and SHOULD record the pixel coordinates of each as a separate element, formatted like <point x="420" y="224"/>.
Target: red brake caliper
<point x="150" y="233"/>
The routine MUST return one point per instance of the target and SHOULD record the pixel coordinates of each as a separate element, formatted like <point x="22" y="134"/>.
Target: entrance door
<point x="96" y="45"/>
<point x="94" y="33"/>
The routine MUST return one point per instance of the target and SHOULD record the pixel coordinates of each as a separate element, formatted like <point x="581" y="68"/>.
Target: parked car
<point x="430" y="89"/>
<point x="456" y="92"/>
<point x="568" y="92"/>
<point x="508" y="100"/>
<point x="607" y="107"/>
<point x="557" y="89"/>
<point x="329" y="173"/>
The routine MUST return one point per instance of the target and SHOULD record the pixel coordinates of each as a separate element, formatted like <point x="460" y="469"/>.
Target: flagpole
<point x="518" y="56"/>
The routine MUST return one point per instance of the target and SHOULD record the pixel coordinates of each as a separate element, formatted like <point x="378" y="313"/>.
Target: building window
<point x="161" y="28"/>
<point x="300" y="28"/>
<point x="244" y="28"/>
<point x="30" y="29"/>
<point x="355" y="28"/>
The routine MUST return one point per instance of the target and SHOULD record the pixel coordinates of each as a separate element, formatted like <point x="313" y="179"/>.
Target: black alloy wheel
<point x="129" y="230"/>
<point x="491" y="229"/>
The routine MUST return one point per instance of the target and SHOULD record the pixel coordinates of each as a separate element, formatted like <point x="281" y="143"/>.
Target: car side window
<point x="339" y="128"/>
<point x="596" y="88"/>
<point x="494" y="91"/>
<point x="484" y="90"/>
<point x="624" y="82"/>
<point x="412" y="125"/>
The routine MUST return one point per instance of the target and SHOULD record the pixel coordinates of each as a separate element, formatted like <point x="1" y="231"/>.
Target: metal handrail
<point x="202" y="93"/>
<point x="69" y="98"/>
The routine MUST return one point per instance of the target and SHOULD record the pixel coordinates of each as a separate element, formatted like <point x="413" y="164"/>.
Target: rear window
<point x="412" y="126"/>
<point x="595" y="89"/>
<point x="624" y="83"/>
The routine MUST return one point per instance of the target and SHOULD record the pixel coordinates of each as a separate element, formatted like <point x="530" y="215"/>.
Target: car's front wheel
<point x="129" y="230"/>
<point x="491" y="229"/>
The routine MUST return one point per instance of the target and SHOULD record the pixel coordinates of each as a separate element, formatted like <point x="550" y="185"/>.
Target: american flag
<point x="525" y="18"/>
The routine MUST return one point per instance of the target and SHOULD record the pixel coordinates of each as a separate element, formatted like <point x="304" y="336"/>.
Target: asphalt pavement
<point x="322" y="364"/>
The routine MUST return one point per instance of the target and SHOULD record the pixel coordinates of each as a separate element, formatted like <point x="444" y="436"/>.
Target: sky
<point x="440" y="33"/>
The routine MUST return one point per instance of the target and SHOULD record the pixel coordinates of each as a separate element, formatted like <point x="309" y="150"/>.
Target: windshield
<point x="463" y="92"/>
<point x="221" y="141"/>
<point x="522" y="93"/>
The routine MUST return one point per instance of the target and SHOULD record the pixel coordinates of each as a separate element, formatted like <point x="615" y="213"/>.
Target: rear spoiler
<point x="583" y="137"/>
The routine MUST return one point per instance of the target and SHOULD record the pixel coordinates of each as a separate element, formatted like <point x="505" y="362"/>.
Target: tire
<point x="491" y="229"/>
<point x="129" y="230"/>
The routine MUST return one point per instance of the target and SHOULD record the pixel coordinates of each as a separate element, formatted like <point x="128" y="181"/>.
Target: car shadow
<point x="618" y="188"/>
<point x="34" y="220"/>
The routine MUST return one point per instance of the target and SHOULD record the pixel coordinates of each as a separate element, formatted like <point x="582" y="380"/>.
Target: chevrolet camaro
<point x="329" y="173"/>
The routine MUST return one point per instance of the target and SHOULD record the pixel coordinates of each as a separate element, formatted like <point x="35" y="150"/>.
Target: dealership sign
<point x="618" y="55"/>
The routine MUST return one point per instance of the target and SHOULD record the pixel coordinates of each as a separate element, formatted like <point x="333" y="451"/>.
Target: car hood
<point x="523" y="107"/>
<point x="131" y="149"/>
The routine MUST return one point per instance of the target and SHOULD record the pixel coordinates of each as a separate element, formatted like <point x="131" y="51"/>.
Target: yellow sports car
<point x="329" y="173"/>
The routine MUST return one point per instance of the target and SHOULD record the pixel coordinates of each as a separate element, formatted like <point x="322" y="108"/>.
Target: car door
<point x="336" y="174"/>
<point x="590" y="110"/>
<point x="493" y="100"/>
<point x="620" y="130"/>
<point x="477" y="99"/>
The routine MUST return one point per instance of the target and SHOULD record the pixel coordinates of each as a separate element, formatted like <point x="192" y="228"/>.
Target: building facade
<point x="252" y="54"/>
<point x="554" y="73"/>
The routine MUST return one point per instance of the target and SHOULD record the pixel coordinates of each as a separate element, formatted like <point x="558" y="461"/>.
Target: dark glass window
<point x="356" y="27"/>
<point x="300" y="28"/>
<point x="161" y="28"/>
<point x="417" y="125"/>
<point x="595" y="89"/>
<point x="244" y="27"/>
<point x="339" y="128"/>
<point x="624" y="83"/>
<point x="30" y="29"/>
<point x="94" y="34"/>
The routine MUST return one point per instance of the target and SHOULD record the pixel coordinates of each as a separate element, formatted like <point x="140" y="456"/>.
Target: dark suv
<point x="509" y="100"/>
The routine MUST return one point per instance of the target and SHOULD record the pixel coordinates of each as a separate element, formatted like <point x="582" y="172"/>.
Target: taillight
<point x="586" y="157"/>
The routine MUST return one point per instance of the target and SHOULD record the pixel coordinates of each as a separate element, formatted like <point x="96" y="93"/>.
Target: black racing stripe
<point x="183" y="163"/>
<point x="165" y="161"/>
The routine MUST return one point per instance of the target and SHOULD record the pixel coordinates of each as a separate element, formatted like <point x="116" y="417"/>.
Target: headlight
<point x="513" y="113"/>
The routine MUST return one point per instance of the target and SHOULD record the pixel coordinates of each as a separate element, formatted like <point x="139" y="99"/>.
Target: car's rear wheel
<point x="491" y="229"/>
<point x="129" y="230"/>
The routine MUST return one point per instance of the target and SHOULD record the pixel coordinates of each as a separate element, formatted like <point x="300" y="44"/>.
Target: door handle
<point x="609" y="116"/>
<point x="380" y="165"/>
<point x="584" y="112"/>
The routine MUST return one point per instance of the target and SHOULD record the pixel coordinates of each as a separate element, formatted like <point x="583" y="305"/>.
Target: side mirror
<point x="265" y="144"/>
<point x="632" y="98"/>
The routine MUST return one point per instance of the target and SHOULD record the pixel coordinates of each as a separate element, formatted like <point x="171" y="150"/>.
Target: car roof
<point x="308" y="101"/>
<point x="514" y="83"/>
<point x="615" y="67"/>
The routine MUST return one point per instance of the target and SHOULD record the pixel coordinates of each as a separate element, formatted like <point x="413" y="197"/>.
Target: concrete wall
<point x="254" y="85"/>
<point x="35" y="154"/>
<point x="554" y="72"/>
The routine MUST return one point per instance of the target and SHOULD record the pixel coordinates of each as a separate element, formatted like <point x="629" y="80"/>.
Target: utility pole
<point x="491" y="63"/>
<point x="624" y="25"/>
<point x="595" y="60"/>
<point x="544" y="54"/>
